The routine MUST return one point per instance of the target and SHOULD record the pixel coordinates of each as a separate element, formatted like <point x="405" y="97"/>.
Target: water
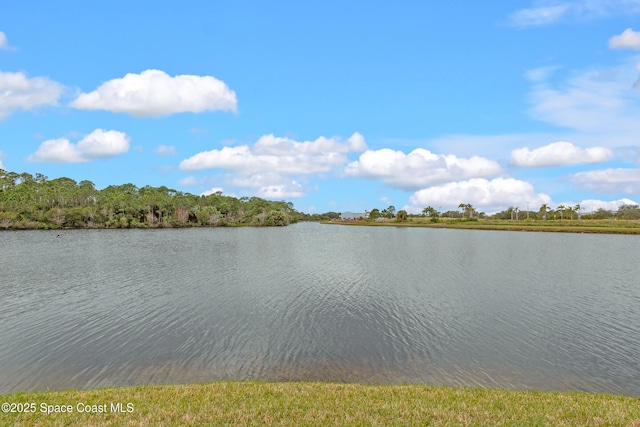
<point x="383" y="305"/>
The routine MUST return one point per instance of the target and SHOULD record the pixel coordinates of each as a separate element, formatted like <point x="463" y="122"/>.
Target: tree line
<point x="468" y="212"/>
<point x="35" y="201"/>
<point x="562" y="212"/>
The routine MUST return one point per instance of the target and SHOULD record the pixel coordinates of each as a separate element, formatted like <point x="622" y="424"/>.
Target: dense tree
<point x="402" y="216"/>
<point x="629" y="212"/>
<point x="28" y="202"/>
<point x="602" y="214"/>
<point x="429" y="211"/>
<point x="389" y="212"/>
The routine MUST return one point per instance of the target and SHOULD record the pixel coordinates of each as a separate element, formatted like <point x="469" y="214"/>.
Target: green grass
<point x="285" y="404"/>
<point x="557" y="226"/>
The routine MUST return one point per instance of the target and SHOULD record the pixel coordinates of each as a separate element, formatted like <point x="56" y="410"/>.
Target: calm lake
<point x="384" y="305"/>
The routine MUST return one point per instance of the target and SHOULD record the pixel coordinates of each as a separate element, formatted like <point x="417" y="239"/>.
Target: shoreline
<point x="304" y="403"/>
<point x="592" y="227"/>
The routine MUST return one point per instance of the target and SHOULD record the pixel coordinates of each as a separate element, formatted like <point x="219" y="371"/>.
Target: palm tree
<point x="470" y="209"/>
<point x="561" y="208"/>
<point x="430" y="211"/>
<point x="577" y="208"/>
<point x="544" y="209"/>
<point x="462" y="207"/>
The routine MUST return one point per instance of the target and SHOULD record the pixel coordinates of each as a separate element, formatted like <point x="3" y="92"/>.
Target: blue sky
<point x="335" y="106"/>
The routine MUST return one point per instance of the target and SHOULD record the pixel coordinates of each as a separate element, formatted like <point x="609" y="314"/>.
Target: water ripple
<point x="312" y="302"/>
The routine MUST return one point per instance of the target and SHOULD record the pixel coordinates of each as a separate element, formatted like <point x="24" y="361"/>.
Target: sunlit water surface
<point x="384" y="305"/>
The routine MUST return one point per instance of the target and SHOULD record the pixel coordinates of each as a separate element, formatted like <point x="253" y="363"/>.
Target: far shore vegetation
<point x="572" y="219"/>
<point x="36" y="202"/>
<point x="317" y="404"/>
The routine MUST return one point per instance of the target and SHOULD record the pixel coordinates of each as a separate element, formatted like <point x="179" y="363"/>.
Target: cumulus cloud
<point x="610" y="180"/>
<point x="419" y="168"/>
<point x="165" y="150"/>
<point x="290" y="190"/>
<point x="283" y="155"/>
<point x="594" y="204"/>
<point x="487" y="195"/>
<point x="97" y="145"/>
<point x="1" y="158"/>
<point x="558" y="154"/>
<point x="271" y="185"/>
<point x="153" y="93"/>
<point x="18" y="92"/>
<point x="213" y="190"/>
<point x="268" y="165"/>
<point x="629" y="39"/>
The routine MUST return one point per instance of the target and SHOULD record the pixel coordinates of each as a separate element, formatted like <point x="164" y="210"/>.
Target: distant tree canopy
<point x="327" y="216"/>
<point x="28" y="201"/>
<point x="630" y="212"/>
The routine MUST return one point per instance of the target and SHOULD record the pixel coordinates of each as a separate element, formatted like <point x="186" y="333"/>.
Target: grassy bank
<point x="257" y="403"/>
<point x="575" y="226"/>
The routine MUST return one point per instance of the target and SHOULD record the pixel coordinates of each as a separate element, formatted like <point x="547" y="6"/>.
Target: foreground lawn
<point x="257" y="403"/>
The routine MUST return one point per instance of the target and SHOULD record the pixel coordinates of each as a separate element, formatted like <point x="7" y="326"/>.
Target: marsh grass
<point x="557" y="226"/>
<point x="328" y="404"/>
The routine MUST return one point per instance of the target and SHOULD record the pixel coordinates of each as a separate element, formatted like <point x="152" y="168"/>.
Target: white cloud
<point x="188" y="181"/>
<point x="18" y="92"/>
<point x="212" y="191"/>
<point x="271" y="185"/>
<point x="489" y="196"/>
<point x="283" y="155"/>
<point x="258" y="180"/>
<point x="290" y="190"/>
<point x="165" y="150"/>
<point x="1" y="158"/>
<point x="419" y="168"/>
<point x="610" y="180"/>
<point x="537" y="16"/>
<point x="98" y="144"/>
<point x="596" y="100"/>
<point x="586" y="206"/>
<point x="271" y="145"/>
<point x="551" y="11"/>
<point x="629" y="39"/>
<point x="541" y="73"/>
<point x="154" y="93"/>
<point x="4" y="43"/>
<point x="559" y="154"/>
